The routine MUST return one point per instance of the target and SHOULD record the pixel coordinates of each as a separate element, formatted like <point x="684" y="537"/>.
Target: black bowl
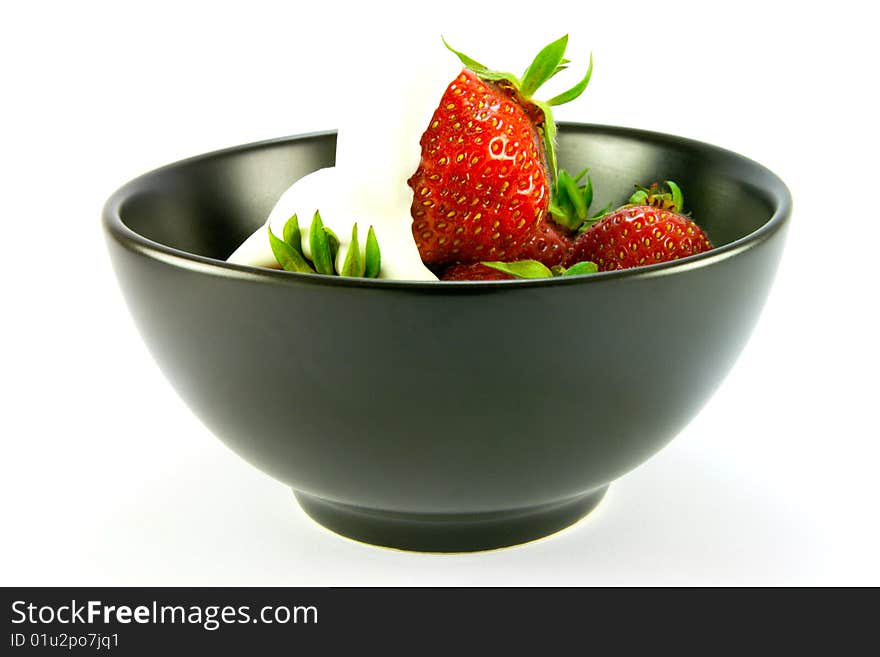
<point x="444" y="416"/>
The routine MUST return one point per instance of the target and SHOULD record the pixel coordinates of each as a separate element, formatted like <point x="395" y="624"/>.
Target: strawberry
<point x="488" y="166"/>
<point x="474" y="271"/>
<point x="550" y="244"/>
<point x="649" y="229"/>
<point x="553" y="243"/>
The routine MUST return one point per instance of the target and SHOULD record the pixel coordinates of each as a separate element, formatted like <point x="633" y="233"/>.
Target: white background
<point x="107" y="478"/>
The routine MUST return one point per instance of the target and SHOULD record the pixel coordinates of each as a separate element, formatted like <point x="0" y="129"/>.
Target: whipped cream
<point x="377" y="150"/>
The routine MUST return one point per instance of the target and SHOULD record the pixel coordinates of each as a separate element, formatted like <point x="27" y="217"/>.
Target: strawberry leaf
<point x="574" y="194"/>
<point x="593" y="220"/>
<point x="576" y="90"/>
<point x="319" y="242"/>
<point x="288" y="257"/>
<point x="588" y="194"/>
<point x="585" y="267"/>
<point x="657" y="197"/>
<point x="353" y="265"/>
<point x="543" y="66"/>
<point x="373" y="258"/>
<point x="470" y="63"/>
<point x="583" y="172"/>
<point x="557" y="212"/>
<point x="571" y="202"/>
<point x="677" y="196"/>
<point x="562" y="66"/>
<point x="639" y="197"/>
<point x="535" y="269"/>
<point x="292" y="235"/>
<point x="548" y="130"/>
<point x="521" y="268"/>
<point x="333" y="242"/>
<point x="483" y="71"/>
<point x="601" y="213"/>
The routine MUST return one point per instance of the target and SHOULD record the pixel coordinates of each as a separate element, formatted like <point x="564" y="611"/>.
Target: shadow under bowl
<point x="444" y="416"/>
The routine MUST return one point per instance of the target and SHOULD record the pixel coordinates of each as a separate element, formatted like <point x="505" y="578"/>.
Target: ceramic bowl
<point x="444" y="416"/>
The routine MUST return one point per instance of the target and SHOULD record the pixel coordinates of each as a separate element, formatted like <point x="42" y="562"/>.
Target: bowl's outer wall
<point x="442" y="398"/>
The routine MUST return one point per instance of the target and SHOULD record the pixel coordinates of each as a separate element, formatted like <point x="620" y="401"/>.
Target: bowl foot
<point x="442" y="532"/>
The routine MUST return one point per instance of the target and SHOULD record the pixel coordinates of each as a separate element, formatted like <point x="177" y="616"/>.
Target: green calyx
<point x="570" y="201"/>
<point x="288" y="251"/>
<point x="547" y="63"/>
<point x="656" y="196"/>
<point x="324" y="245"/>
<point x="535" y="269"/>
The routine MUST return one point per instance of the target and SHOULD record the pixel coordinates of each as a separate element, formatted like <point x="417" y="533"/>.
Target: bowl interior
<point x="208" y="205"/>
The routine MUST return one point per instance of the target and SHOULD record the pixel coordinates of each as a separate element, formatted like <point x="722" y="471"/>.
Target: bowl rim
<point x="116" y="228"/>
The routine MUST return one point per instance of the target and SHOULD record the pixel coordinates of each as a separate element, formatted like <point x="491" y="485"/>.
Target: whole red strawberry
<point x="487" y="169"/>
<point x="648" y="230"/>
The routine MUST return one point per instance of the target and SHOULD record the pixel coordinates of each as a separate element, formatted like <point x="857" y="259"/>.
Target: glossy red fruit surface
<point x="550" y="245"/>
<point x="481" y="189"/>
<point x="639" y="235"/>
